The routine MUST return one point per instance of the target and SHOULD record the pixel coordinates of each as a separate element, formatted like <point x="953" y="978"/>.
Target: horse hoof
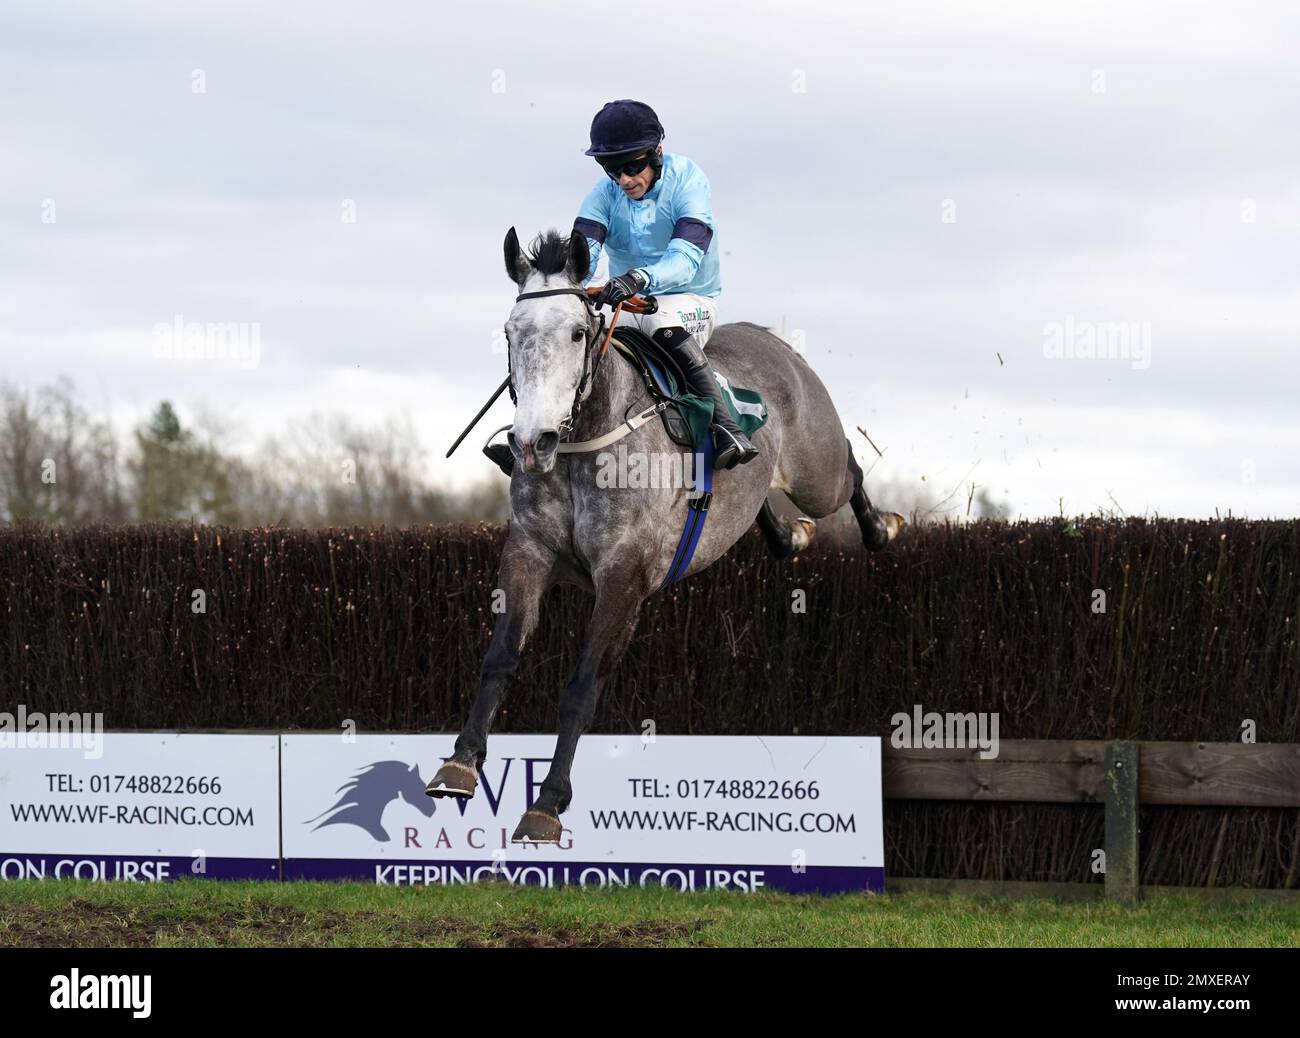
<point x="453" y="780"/>
<point x="886" y="526"/>
<point x="802" y="531"/>
<point x="537" y="827"/>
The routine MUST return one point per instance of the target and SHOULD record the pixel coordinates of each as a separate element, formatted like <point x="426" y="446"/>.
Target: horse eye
<point x="577" y="335"/>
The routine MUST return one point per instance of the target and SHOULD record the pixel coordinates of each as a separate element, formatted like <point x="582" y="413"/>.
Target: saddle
<point x="686" y="417"/>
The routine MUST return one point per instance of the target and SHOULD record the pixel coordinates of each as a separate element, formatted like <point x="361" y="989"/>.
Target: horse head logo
<point x="364" y="797"/>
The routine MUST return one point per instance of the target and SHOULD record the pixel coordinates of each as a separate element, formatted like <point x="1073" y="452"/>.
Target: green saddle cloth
<point x="746" y="406"/>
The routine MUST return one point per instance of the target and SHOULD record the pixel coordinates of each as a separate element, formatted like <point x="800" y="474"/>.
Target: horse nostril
<point x="547" y="442"/>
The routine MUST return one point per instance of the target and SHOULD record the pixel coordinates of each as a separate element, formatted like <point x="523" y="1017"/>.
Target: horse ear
<point x="579" y="256"/>
<point x="517" y="264"/>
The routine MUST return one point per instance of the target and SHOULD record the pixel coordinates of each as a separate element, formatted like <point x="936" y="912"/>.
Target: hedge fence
<point x="1082" y="629"/>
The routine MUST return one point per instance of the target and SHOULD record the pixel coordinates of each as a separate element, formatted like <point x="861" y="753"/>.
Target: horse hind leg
<point x="878" y="528"/>
<point x="785" y="537"/>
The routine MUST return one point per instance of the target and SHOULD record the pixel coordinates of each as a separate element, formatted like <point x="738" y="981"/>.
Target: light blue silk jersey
<point x="669" y="233"/>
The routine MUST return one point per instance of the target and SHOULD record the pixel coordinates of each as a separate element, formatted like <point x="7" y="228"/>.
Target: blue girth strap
<point x="697" y="511"/>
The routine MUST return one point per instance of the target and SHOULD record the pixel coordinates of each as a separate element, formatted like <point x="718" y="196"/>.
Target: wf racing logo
<point x="363" y="799"/>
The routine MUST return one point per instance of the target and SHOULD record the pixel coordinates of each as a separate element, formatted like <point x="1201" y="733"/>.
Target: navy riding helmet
<point x="624" y="127"/>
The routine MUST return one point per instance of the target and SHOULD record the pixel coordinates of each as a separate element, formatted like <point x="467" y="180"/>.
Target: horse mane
<point x="549" y="253"/>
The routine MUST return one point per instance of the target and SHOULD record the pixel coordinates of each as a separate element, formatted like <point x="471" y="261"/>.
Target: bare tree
<point x="57" y="464"/>
<point x="327" y="470"/>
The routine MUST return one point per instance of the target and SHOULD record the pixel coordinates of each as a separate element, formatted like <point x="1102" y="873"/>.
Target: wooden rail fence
<point x="1120" y="775"/>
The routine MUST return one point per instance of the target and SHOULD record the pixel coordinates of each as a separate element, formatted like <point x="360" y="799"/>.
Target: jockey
<point x="652" y="214"/>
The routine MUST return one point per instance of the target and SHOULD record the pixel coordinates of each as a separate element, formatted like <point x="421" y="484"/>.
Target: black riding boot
<point x="732" y="446"/>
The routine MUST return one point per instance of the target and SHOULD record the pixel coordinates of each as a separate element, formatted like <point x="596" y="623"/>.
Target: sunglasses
<point x="616" y="167"/>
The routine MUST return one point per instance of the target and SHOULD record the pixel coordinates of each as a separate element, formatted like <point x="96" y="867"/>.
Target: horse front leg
<point x="524" y="575"/>
<point x="620" y="590"/>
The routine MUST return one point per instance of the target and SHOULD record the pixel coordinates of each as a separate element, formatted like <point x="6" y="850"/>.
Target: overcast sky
<point x="925" y="197"/>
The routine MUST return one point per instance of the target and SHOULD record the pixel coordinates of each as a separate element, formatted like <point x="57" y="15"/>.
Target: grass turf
<point x="196" y="913"/>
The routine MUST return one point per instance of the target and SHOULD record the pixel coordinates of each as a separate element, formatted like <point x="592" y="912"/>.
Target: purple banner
<point x="140" y="868"/>
<point x="824" y="879"/>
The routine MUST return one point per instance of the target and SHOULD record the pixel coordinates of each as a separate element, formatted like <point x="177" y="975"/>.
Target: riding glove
<point x="622" y="287"/>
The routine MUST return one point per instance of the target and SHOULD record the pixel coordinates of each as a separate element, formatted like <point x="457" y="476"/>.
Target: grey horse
<point x="618" y="543"/>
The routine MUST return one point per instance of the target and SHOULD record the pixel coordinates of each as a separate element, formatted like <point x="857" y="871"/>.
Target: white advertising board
<point x="150" y="806"/>
<point x="687" y="812"/>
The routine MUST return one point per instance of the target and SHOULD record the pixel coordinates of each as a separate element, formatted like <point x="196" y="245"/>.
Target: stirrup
<point x="732" y="451"/>
<point x="500" y="454"/>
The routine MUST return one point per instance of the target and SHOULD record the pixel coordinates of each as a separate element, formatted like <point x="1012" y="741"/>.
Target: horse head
<point x="551" y="341"/>
<point x="412" y="791"/>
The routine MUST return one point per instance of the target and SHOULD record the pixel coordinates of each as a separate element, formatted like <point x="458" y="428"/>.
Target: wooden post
<point x="1122" y="877"/>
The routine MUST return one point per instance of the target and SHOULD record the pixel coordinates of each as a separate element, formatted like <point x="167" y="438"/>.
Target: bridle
<point x="635" y="304"/>
<point x="588" y="368"/>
